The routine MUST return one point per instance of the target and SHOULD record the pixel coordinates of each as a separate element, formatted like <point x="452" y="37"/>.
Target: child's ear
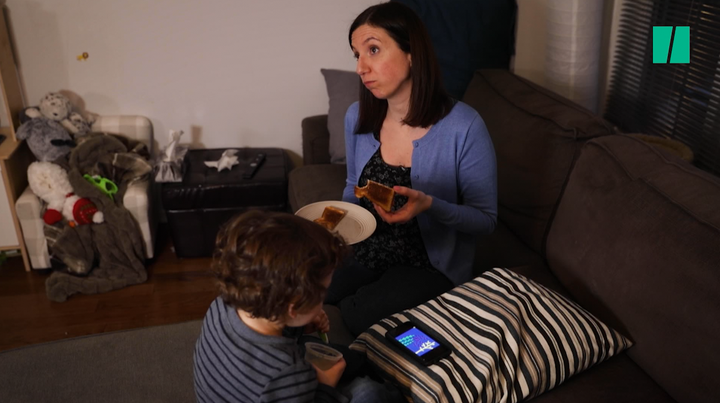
<point x="292" y="313"/>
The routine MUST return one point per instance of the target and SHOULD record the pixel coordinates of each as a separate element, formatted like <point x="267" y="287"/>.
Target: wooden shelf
<point x="15" y="156"/>
<point x="9" y="80"/>
<point x="14" y="178"/>
<point x="8" y="147"/>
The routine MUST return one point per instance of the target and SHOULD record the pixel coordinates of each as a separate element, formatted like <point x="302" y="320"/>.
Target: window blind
<point x="671" y="100"/>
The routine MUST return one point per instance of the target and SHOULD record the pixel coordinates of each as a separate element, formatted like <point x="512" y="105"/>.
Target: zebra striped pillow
<point x="512" y="339"/>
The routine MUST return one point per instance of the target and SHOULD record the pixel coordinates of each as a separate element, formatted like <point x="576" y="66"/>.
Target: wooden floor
<point x="177" y="290"/>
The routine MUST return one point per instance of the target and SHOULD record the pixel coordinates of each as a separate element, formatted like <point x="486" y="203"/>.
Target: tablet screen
<point x="417" y="341"/>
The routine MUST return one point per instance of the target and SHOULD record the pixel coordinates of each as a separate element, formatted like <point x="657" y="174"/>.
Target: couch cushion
<point x="619" y="380"/>
<point x="511" y="339"/>
<point x="635" y="240"/>
<point x="313" y="183"/>
<point x="536" y="135"/>
<point x="502" y="248"/>
<point x="343" y="88"/>
<point x="315" y="140"/>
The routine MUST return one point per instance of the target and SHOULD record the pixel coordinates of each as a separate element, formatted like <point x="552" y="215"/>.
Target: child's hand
<point x="331" y="376"/>
<point x="320" y="323"/>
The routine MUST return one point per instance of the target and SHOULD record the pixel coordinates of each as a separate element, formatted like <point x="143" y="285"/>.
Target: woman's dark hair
<point x="265" y="261"/>
<point x="429" y="102"/>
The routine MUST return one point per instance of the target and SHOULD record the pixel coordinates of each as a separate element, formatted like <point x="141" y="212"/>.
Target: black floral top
<point x="391" y="244"/>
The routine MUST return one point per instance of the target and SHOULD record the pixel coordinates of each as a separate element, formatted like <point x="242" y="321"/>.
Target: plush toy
<point x="50" y="182"/>
<point x="80" y="124"/>
<point x="46" y="138"/>
<point x="57" y="107"/>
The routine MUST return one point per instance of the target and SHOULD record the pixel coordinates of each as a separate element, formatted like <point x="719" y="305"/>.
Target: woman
<point x="407" y="133"/>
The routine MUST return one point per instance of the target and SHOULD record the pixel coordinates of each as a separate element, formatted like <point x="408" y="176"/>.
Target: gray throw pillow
<point x="343" y="89"/>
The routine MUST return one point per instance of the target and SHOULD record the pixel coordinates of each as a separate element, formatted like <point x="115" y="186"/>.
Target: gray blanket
<point x="107" y="256"/>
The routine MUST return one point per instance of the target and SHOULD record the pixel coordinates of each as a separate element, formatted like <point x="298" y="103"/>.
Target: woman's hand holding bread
<point x="417" y="203"/>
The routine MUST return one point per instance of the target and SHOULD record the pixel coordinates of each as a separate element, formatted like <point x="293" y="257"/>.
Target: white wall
<point x="230" y="73"/>
<point x="530" y="42"/>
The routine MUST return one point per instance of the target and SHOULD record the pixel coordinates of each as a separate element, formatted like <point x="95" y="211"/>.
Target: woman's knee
<point x="366" y="390"/>
<point x="347" y="280"/>
<point x="355" y="318"/>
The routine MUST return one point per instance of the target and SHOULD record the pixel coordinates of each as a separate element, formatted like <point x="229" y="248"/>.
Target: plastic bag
<point x="169" y="165"/>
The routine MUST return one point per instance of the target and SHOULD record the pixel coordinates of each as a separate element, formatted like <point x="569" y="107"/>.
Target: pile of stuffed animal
<point x="52" y="128"/>
<point x="50" y="182"/>
<point x="51" y="131"/>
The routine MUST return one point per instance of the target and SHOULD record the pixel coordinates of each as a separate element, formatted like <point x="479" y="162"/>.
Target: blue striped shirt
<point x="233" y="363"/>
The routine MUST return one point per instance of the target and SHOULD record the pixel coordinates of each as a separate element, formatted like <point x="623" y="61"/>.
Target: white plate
<point x="357" y="225"/>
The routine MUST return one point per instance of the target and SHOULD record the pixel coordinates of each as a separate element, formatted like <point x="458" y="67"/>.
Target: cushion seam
<point x="588" y="113"/>
<point x="556" y="206"/>
<point x="655" y="188"/>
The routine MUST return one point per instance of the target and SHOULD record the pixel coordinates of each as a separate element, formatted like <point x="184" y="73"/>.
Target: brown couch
<point x="629" y="231"/>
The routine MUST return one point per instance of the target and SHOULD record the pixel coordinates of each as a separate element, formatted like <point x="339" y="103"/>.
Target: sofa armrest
<point x="131" y="126"/>
<point x="29" y="212"/>
<point x="138" y="201"/>
<point x="315" y="140"/>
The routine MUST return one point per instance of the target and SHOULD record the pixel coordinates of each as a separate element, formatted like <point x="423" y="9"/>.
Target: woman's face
<point x="383" y="67"/>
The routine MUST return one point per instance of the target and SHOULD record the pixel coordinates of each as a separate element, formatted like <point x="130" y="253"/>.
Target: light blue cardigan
<point x="455" y="164"/>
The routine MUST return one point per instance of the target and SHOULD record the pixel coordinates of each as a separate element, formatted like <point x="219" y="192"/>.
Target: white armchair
<point x="137" y="199"/>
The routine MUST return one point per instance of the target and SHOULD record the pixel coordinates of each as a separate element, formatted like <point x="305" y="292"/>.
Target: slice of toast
<point x="331" y="217"/>
<point x="376" y="193"/>
<point x="327" y="224"/>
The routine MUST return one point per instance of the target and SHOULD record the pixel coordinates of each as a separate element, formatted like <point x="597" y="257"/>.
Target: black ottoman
<point x="198" y="206"/>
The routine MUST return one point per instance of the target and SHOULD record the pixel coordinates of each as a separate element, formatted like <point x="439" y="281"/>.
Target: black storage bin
<point x="198" y="206"/>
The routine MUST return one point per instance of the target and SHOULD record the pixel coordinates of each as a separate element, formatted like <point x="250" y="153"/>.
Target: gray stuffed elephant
<point x="47" y="139"/>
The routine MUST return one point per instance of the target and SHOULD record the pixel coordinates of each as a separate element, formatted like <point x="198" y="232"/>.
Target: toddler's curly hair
<point x="265" y="261"/>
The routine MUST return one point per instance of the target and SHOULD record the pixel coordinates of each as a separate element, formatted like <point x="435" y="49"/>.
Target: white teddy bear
<point x="57" y="107"/>
<point x="50" y="182"/>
